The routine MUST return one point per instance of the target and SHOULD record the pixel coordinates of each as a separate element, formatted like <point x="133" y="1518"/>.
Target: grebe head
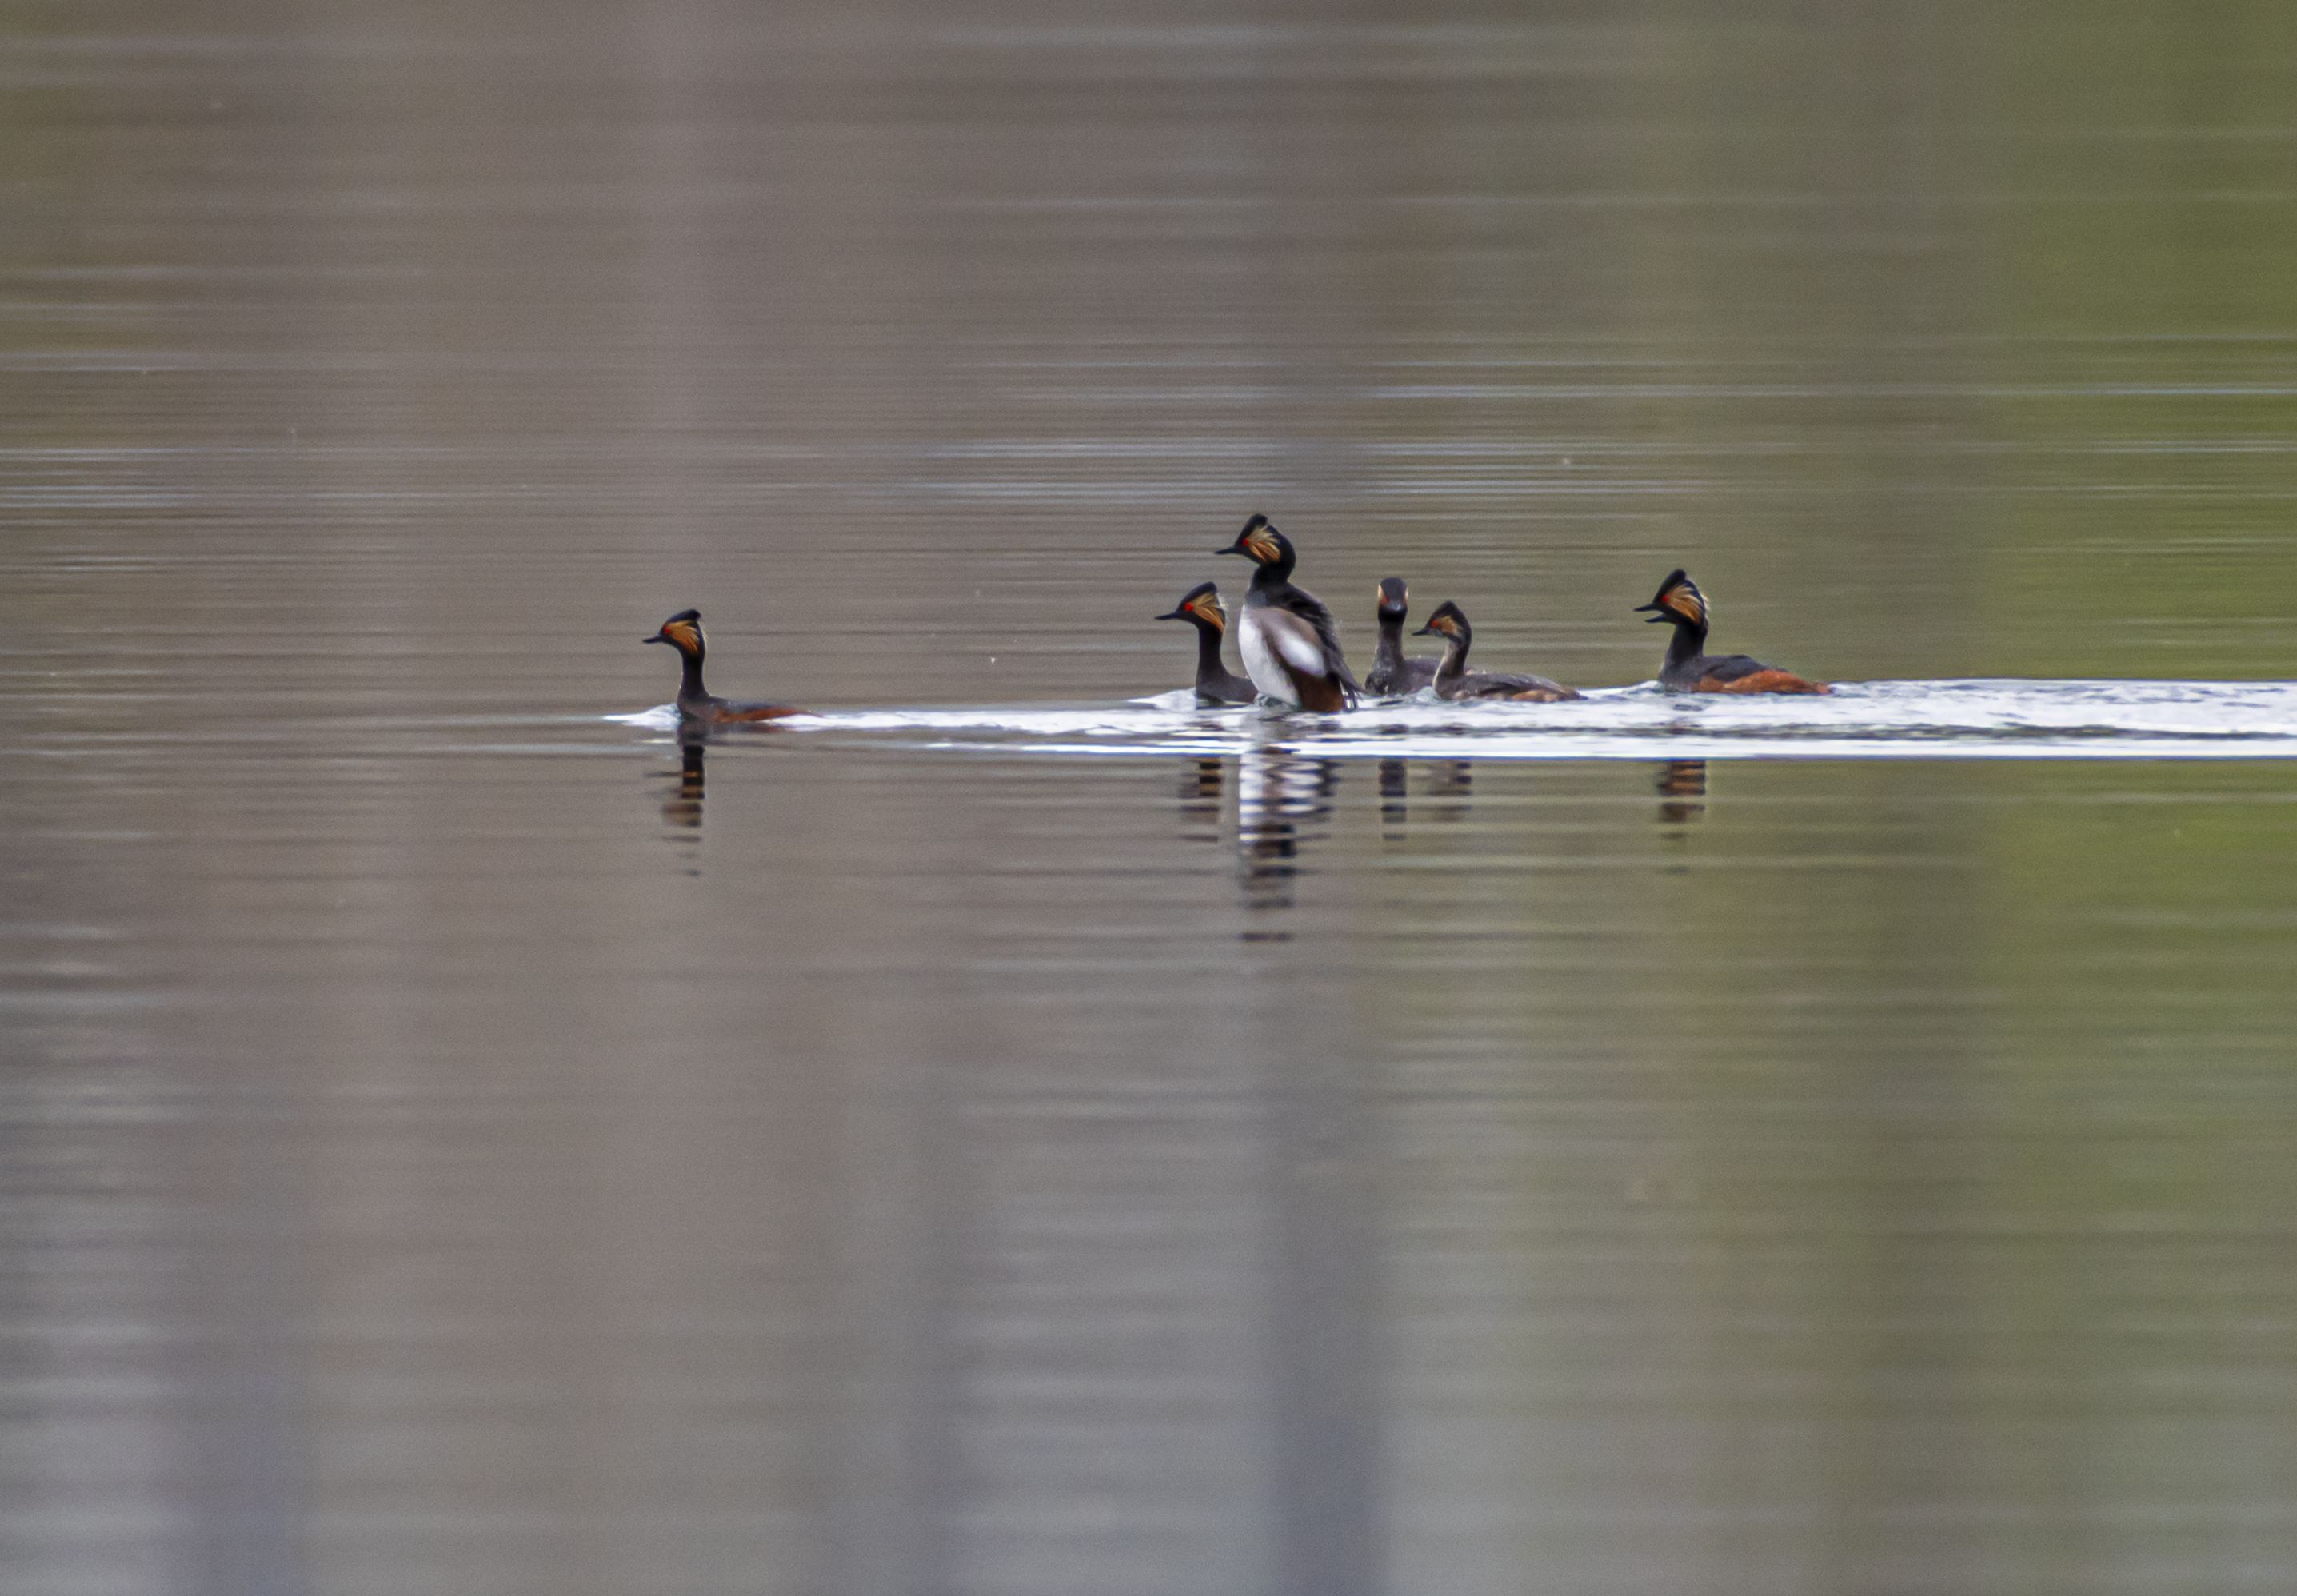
<point x="1200" y="603"/>
<point x="1678" y="601"/>
<point x="1395" y="599"/>
<point x="1261" y="543"/>
<point x="683" y="632"/>
<point x="1447" y="622"/>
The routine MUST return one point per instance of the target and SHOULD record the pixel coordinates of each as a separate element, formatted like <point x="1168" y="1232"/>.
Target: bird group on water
<point x="1291" y="648"/>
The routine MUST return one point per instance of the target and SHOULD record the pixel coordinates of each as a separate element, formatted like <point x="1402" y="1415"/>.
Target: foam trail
<point x="1967" y="719"/>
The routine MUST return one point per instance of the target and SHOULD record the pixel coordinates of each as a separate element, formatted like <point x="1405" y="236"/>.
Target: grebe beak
<point x="655" y="637"/>
<point x="1170" y="615"/>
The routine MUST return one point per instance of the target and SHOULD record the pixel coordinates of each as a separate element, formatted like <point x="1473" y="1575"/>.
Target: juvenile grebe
<point x="1686" y="669"/>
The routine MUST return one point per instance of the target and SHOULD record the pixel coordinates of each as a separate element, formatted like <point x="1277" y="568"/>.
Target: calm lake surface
<point x="998" y="1137"/>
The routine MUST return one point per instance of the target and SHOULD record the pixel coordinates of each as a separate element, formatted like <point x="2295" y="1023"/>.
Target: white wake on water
<point x="1968" y="718"/>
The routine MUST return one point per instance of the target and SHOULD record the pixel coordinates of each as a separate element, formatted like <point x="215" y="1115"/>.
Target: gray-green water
<point x="451" y="1140"/>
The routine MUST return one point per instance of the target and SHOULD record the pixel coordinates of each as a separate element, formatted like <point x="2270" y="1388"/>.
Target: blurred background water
<point x="450" y="1141"/>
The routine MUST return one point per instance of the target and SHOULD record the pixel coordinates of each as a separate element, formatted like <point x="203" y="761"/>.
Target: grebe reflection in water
<point x="1447" y="793"/>
<point x="1278" y="795"/>
<point x="1201" y="781"/>
<point x="1682" y="788"/>
<point x="683" y="806"/>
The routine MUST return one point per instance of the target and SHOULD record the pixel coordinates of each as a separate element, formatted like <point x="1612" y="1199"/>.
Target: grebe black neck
<point x="1680" y="604"/>
<point x="683" y="632"/>
<point x="1393" y="604"/>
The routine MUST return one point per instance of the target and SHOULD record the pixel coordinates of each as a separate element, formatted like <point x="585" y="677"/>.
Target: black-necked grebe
<point x="683" y="632"/>
<point x="1687" y="669"/>
<point x="1201" y="607"/>
<point x="1392" y="676"/>
<point x="1453" y="680"/>
<point x="1291" y="649"/>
